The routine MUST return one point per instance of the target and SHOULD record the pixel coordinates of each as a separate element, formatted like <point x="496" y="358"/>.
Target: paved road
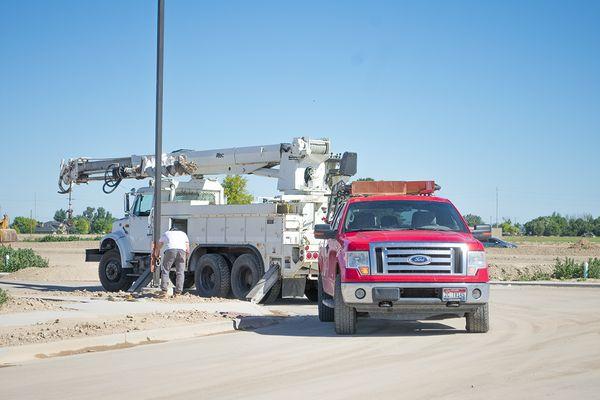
<point x="544" y="343"/>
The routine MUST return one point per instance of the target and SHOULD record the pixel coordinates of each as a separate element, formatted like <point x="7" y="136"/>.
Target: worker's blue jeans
<point x="177" y="257"/>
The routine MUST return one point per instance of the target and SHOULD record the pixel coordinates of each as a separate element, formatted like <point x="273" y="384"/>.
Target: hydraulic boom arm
<point x="305" y="166"/>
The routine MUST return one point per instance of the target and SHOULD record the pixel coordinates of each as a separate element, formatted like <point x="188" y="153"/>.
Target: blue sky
<point x="475" y="95"/>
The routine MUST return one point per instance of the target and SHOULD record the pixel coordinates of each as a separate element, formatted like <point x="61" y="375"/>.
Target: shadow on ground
<point x="43" y="287"/>
<point x="310" y="326"/>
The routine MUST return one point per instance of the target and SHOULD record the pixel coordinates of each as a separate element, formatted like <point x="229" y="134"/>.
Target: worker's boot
<point x="163" y="294"/>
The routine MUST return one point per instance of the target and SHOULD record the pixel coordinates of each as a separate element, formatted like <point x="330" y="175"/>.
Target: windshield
<point x="396" y="215"/>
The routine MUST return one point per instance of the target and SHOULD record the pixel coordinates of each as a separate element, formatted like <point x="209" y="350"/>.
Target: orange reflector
<point x="363" y="270"/>
<point x="393" y="187"/>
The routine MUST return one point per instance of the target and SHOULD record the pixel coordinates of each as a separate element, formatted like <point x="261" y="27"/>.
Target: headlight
<point x="358" y="260"/>
<point x="475" y="261"/>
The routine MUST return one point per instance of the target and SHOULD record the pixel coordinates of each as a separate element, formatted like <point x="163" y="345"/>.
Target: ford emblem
<point x="419" y="259"/>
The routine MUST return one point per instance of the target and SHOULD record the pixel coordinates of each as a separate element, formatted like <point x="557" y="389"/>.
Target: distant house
<point x="51" y="228"/>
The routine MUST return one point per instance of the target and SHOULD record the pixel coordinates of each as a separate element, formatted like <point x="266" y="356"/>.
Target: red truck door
<point x="330" y="254"/>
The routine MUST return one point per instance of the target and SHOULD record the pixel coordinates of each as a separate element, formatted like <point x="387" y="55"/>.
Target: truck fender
<point x="119" y="240"/>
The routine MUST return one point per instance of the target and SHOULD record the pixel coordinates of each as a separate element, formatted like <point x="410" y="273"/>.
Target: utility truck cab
<point x="392" y="250"/>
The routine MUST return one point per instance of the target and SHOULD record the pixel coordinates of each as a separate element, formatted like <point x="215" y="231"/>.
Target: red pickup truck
<point x="400" y="256"/>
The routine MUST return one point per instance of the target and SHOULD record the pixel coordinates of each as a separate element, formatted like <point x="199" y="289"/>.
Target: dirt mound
<point x="66" y="329"/>
<point x="582" y="244"/>
<point x="26" y="304"/>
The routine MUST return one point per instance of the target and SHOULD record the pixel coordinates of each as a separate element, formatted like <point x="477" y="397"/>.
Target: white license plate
<point x="454" y="294"/>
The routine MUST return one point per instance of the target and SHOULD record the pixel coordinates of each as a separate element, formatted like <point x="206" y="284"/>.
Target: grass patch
<point x="19" y="259"/>
<point x="3" y="297"/>
<point x="550" y="239"/>
<point x="62" y="238"/>
<point x="571" y="269"/>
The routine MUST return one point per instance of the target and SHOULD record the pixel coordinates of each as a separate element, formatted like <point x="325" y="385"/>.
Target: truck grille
<point x="403" y="258"/>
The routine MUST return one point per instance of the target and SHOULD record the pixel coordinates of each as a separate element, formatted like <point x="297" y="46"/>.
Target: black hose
<point x="112" y="178"/>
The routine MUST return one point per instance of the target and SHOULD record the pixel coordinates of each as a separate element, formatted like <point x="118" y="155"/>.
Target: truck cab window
<point x="143" y="205"/>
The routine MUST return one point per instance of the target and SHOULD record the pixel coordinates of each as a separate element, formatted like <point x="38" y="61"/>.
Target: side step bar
<point x="262" y="287"/>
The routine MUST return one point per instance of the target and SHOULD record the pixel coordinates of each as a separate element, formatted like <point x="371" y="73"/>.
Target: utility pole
<point x="496" y="206"/>
<point x="158" y="130"/>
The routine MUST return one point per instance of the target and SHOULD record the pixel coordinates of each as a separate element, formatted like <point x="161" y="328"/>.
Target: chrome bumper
<point x="371" y="288"/>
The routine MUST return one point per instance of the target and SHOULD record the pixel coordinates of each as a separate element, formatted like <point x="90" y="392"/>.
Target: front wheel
<point x="111" y="272"/>
<point x="478" y="321"/>
<point x="344" y="316"/>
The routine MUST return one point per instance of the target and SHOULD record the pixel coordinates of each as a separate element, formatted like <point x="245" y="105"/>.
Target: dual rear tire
<point x="216" y="276"/>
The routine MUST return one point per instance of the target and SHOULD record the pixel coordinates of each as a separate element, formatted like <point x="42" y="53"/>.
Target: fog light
<point x="476" y="293"/>
<point x="360" y="293"/>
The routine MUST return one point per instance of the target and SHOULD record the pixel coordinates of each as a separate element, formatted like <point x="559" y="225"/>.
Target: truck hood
<point x="361" y="240"/>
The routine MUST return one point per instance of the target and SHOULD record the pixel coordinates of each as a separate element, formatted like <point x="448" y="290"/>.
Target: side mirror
<point x="126" y="204"/>
<point x="324" y="231"/>
<point x="348" y="164"/>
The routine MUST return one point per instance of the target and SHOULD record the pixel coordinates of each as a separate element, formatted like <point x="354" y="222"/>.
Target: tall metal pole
<point x="496" y="206"/>
<point x="158" y="128"/>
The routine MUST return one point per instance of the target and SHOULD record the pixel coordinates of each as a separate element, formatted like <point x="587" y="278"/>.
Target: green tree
<point x="60" y="215"/>
<point x="89" y="214"/>
<point x="81" y="225"/>
<point x="24" y="225"/>
<point x="102" y="221"/>
<point x="235" y="190"/>
<point x="473" y="219"/>
<point x="365" y="179"/>
<point x="509" y="229"/>
<point x="536" y="226"/>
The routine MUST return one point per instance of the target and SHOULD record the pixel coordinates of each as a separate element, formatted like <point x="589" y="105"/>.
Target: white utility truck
<point x="233" y="247"/>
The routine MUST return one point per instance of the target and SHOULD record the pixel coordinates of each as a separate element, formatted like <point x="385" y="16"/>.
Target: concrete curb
<point x="595" y="285"/>
<point x="19" y="354"/>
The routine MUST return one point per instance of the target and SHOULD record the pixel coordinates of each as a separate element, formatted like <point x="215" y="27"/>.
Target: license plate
<point x="454" y="294"/>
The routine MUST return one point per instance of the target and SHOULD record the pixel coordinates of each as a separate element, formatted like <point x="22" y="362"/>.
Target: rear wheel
<point x="246" y="273"/>
<point x="274" y="293"/>
<point x="212" y="276"/>
<point x="188" y="280"/>
<point x="344" y="316"/>
<point x="325" y="313"/>
<point x="478" y="321"/>
<point x="111" y="272"/>
<point x="311" y="291"/>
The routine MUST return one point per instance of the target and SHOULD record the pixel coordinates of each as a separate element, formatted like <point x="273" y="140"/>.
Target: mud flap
<point x="263" y="286"/>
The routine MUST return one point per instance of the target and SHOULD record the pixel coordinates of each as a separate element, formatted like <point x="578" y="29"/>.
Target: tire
<point x="212" y="276"/>
<point x="112" y="274"/>
<point x="311" y="291"/>
<point x="478" y="321"/>
<point x="274" y="294"/>
<point x="344" y="316"/>
<point x="245" y="273"/>
<point x="188" y="280"/>
<point x="325" y="313"/>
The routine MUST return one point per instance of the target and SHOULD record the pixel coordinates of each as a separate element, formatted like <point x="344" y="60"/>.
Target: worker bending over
<point x="176" y="251"/>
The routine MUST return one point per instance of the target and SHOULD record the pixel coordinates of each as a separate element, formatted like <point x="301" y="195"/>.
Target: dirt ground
<point x="528" y="258"/>
<point x="66" y="259"/>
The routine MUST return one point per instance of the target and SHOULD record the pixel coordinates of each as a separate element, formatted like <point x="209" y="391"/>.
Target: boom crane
<point x="306" y="166"/>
